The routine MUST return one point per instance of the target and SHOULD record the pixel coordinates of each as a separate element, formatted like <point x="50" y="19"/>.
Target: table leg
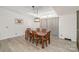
<point x="49" y="39"/>
<point x="36" y="42"/>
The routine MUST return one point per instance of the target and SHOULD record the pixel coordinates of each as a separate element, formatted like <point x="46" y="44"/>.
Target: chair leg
<point x="26" y="37"/>
<point x="49" y="41"/>
<point x="37" y="42"/>
<point x="46" y="43"/>
<point x="42" y="43"/>
<point x="33" y="40"/>
<point x="30" y="39"/>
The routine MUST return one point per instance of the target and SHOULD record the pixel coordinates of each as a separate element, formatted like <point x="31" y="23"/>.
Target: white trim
<point x="3" y="38"/>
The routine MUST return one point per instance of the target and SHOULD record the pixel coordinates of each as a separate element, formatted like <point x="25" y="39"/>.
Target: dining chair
<point x="38" y="29"/>
<point x="46" y="39"/>
<point x="31" y="36"/>
<point x="28" y="28"/>
<point x="35" y="37"/>
<point x="27" y="33"/>
<point x="49" y="37"/>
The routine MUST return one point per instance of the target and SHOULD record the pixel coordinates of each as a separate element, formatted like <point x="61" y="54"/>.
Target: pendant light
<point x="36" y="19"/>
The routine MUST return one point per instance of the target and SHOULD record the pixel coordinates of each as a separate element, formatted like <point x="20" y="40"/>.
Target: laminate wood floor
<point x="19" y="44"/>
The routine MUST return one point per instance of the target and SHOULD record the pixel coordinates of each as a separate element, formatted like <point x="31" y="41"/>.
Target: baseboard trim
<point x="7" y="37"/>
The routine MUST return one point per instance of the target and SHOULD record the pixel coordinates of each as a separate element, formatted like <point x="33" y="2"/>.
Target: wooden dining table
<point x="41" y="34"/>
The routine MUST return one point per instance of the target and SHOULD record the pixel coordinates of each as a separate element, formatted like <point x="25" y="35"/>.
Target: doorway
<point x="52" y="24"/>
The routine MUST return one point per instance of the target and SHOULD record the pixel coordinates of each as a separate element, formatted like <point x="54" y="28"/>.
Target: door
<point x="53" y="25"/>
<point x="78" y="29"/>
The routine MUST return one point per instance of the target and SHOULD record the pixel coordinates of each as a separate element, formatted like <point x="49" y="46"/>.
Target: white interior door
<point x="53" y="25"/>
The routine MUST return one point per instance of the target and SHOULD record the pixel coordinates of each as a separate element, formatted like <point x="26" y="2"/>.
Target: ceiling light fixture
<point x="36" y="19"/>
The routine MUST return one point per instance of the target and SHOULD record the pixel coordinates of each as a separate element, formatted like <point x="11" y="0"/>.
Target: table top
<point x="40" y="33"/>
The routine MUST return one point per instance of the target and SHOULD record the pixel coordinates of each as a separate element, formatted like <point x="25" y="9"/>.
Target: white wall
<point x="67" y="26"/>
<point x="7" y="18"/>
<point x="67" y="23"/>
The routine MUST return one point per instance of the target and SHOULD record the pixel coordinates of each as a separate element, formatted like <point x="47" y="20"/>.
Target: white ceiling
<point x="62" y="10"/>
<point x="43" y="11"/>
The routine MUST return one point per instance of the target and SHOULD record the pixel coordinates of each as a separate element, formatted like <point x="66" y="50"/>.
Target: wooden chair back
<point x="35" y="34"/>
<point x="47" y="35"/>
<point x="28" y="31"/>
<point x="44" y="30"/>
<point x="38" y="29"/>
